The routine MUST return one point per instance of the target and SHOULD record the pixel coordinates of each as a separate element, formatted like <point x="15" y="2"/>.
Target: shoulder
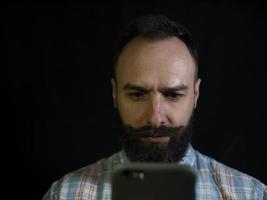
<point x="84" y="182"/>
<point x="228" y="181"/>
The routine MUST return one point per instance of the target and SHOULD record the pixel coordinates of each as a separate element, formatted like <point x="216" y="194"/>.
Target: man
<point x="155" y="90"/>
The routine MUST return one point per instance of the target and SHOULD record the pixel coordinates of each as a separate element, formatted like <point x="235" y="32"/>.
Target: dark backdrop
<point x="57" y="93"/>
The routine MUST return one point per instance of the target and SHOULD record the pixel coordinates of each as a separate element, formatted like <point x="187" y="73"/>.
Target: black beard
<point x="172" y="151"/>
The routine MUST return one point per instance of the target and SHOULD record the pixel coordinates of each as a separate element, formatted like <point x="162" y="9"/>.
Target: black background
<point x="57" y="93"/>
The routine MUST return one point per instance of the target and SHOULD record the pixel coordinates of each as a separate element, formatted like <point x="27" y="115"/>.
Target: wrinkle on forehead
<point x="156" y="87"/>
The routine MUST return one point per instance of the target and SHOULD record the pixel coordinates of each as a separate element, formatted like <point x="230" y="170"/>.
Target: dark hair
<point x="154" y="28"/>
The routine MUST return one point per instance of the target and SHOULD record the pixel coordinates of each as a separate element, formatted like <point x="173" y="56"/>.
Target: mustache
<point x="150" y="131"/>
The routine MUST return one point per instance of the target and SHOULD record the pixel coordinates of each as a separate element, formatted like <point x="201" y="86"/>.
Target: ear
<point x="114" y="92"/>
<point x="196" y="91"/>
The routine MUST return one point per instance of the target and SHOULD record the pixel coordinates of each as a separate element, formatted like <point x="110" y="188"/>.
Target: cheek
<point x="180" y="112"/>
<point x="130" y="113"/>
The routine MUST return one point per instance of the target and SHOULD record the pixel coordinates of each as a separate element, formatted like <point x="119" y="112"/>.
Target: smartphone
<point x="153" y="181"/>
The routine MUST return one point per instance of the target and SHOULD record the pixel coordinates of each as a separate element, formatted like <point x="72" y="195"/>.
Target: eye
<point x="173" y="95"/>
<point x="137" y="95"/>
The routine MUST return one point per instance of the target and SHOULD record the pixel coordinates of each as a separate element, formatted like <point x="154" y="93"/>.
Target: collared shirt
<point x="214" y="180"/>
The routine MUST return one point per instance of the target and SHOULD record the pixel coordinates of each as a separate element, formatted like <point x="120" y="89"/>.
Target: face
<point x="155" y="86"/>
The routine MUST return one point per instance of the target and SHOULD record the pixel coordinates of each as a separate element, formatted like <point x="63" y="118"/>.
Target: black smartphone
<point x="153" y="181"/>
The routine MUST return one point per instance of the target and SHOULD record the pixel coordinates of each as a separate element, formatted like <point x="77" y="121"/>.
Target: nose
<point x="156" y="114"/>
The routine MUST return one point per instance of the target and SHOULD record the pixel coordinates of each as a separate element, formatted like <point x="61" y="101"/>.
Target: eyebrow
<point x="177" y="88"/>
<point x="130" y="86"/>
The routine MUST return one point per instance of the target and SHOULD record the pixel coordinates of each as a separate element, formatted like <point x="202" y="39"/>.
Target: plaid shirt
<point x="214" y="180"/>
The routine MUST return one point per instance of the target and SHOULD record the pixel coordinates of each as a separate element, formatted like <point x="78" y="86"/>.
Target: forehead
<point x="155" y="63"/>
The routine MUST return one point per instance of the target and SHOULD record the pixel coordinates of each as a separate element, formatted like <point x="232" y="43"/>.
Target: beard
<point x="141" y="151"/>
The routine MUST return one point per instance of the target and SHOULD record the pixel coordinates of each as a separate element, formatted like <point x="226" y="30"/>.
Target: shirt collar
<point x="189" y="158"/>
